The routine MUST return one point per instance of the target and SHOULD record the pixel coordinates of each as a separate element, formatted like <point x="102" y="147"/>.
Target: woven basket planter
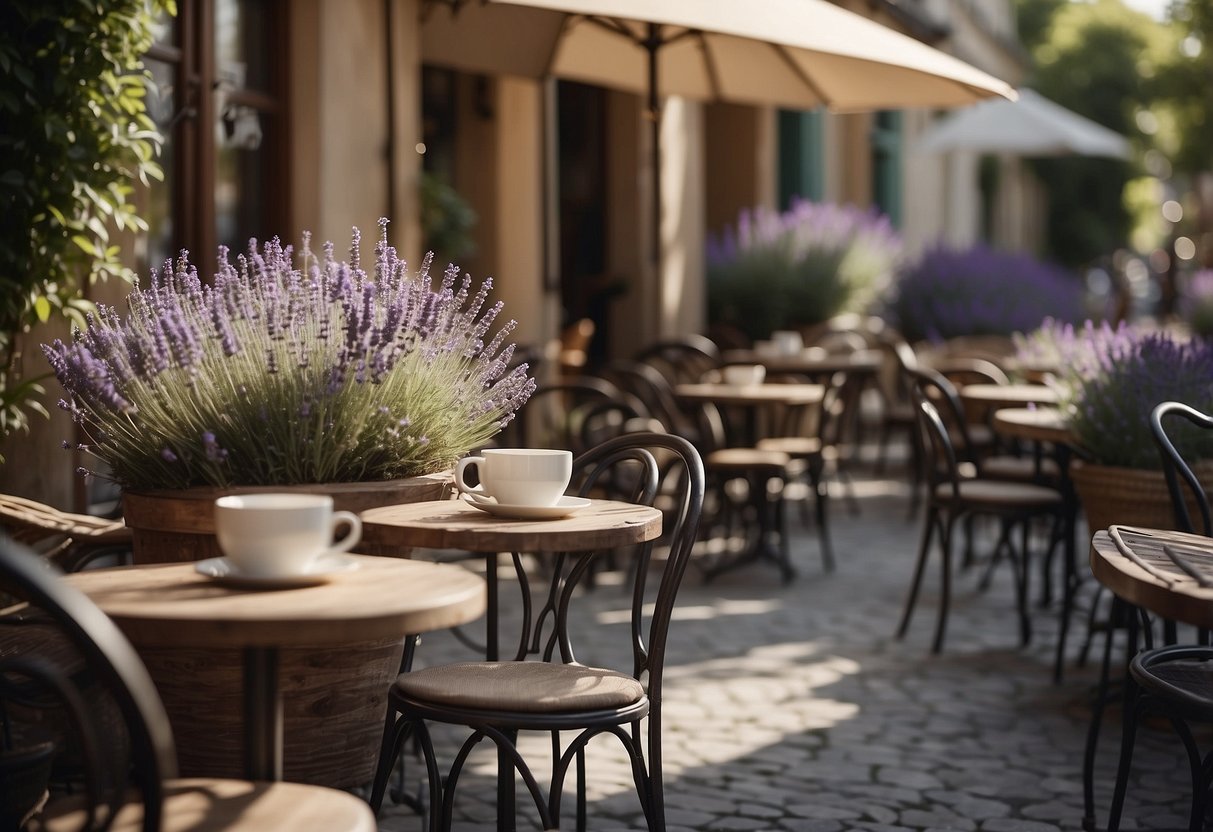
<point x="1112" y="495"/>
<point x="333" y="698"/>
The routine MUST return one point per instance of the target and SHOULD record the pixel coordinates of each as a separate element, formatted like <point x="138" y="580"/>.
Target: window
<point x="220" y="68"/>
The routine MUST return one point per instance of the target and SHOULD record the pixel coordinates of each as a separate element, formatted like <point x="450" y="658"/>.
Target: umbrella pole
<point x="651" y="44"/>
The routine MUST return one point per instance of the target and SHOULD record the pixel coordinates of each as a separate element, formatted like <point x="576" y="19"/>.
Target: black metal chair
<point x="950" y="497"/>
<point x="1175" y="681"/>
<point x="818" y="449"/>
<point x="545" y="688"/>
<point x="73" y="689"/>
<point x="683" y="359"/>
<point x="757" y="507"/>
<point x="575" y="415"/>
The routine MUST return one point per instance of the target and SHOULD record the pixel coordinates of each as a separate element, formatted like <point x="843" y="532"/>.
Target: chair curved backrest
<point x="972" y="371"/>
<point x="1175" y="466"/>
<point x="573" y="415"/>
<point x="26" y="670"/>
<point x="936" y="388"/>
<point x="702" y="425"/>
<point x="660" y="470"/>
<point x="684" y="359"/>
<point x="932" y="425"/>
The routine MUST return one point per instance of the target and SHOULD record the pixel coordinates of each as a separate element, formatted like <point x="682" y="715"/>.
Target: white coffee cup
<point x="787" y="341"/>
<point x="743" y="374"/>
<point x="267" y="535"/>
<point x="518" y="476"/>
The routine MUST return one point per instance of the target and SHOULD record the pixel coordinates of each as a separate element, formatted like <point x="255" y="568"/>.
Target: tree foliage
<point x="1185" y="84"/>
<point x="77" y="138"/>
<point x="1096" y="59"/>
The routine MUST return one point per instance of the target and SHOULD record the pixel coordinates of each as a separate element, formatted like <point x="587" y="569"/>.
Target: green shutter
<point x="886" y="164"/>
<point x="801" y="156"/>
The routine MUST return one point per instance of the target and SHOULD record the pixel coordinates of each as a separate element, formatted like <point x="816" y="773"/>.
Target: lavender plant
<point x="1112" y="378"/>
<point x="776" y="271"/>
<point x="980" y="291"/>
<point x="278" y="373"/>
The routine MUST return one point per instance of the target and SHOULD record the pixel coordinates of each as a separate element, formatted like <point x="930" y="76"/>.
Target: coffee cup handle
<point x="476" y="493"/>
<point x="352" y="536"/>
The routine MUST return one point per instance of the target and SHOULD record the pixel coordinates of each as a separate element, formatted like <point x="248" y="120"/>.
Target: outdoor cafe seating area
<point x="822" y="582"/>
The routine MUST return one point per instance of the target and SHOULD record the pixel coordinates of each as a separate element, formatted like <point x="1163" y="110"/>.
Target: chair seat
<point x="524" y="687"/>
<point x="1019" y="469"/>
<point x="993" y="494"/>
<point x="747" y="459"/>
<point x="1181" y="675"/>
<point x="197" y="805"/>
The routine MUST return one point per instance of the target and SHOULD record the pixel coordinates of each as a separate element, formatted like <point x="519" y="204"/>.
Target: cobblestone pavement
<point x="793" y="708"/>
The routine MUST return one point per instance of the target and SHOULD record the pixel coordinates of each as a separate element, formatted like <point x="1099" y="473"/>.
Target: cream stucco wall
<point x="338" y="103"/>
<point x="519" y="168"/>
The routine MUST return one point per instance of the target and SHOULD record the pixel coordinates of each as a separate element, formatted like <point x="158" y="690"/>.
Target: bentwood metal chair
<point x="683" y="359"/>
<point x="86" y="743"/>
<point x="950" y="497"/>
<point x="1175" y="681"/>
<point x="546" y="689"/>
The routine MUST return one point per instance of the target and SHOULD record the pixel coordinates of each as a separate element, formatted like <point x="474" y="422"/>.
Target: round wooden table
<point x="1039" y="424"/>
<point x="1132" y="563"/>
<point x="812" y="361"/>
<point x="172" y="605"/>
<point x="751" y="395"/>
<point x="1008" y="395"/>
<point x="453" y="524"/>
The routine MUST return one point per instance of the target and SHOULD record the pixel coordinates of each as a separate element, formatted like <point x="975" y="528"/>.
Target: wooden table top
<point x="1009" y="395"/>
<point x="751" y="394"/>
<point x="172" y="605"/>
<point x="453" y="524"/>
<point x="810" y="361"/>
<point x="1153" y="580"/>
<point x="1038" y="424"/>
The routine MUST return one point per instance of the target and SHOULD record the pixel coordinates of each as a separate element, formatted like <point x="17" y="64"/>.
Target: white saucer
<point x="324" y="567"/>
<point x="563" y="508"/>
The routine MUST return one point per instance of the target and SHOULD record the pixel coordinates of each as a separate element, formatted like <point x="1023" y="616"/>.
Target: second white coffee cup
<point x="518" y="476"/>
<point x="267" y="535"/>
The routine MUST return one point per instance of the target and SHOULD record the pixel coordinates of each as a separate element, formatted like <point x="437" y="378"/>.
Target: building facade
<point x="320" y="115"/>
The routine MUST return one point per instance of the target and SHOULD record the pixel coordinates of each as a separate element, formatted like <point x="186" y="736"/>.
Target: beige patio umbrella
<point x="1031" y="126"/>
<point x="797" y="54"/>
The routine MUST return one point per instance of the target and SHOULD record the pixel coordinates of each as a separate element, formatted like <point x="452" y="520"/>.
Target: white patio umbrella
<point x="1030" y="126"/>
<point x="797" y="54"/>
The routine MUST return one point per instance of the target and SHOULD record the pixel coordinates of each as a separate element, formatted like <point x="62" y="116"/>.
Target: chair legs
<point x="924" y="550"/>
<point x="511" y="765"/>
<point x="821" y="497"/>
<point x="942" y="521"/>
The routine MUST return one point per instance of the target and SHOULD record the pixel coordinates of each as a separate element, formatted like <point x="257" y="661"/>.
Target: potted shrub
<point x="801" y="267"/>
<point x="289" y="370"/>
<point x="1109" y="381"/>
<point x="950" y="293"/>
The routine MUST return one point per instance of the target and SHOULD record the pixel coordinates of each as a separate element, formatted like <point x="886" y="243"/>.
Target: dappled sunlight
<point x="700" y="612"/>
<point x="774" y="691"/>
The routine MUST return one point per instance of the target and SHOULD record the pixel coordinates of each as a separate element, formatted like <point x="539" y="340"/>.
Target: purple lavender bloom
<point x="980" y="291"/>
<point x="805" y="265"/>
<point x="251" y="354"/>
<point x="1118" y="378"/>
